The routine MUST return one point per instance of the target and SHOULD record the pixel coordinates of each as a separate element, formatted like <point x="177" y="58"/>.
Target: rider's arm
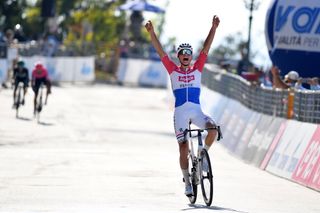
<point x="154" y="39"/>
<point x="212" y="32"/>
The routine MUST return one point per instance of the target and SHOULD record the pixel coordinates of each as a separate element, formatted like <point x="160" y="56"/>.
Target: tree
<point x="95" y="24"/>
<point x="232" y="47"/>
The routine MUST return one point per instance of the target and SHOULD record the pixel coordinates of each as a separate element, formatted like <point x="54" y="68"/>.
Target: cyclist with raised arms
<point x="40" y="75"/>
<point x="20" y="74"/>
<point x="186" y="84"/>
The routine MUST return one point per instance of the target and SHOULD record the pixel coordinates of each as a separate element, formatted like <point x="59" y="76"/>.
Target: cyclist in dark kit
<point x="20" y="74"/>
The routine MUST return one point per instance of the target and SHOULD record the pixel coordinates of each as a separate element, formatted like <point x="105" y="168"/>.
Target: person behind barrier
<point x="20" y="74"/>
<point x="291" y="80"/>
<point x="39" y="76"/>
<point x="186" y="84"/>
<point x="314" y="83"/>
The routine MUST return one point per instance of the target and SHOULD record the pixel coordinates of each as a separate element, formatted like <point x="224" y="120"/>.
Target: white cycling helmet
<point x="184" y="46"/>
<point x="38" y="64"/>
<point x="293" y="75"/>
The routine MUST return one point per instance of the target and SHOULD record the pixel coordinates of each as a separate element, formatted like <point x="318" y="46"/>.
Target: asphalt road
<point x="102" y="148"/>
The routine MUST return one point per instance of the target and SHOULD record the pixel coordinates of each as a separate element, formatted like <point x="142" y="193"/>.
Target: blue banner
<point x="293" y="36"/>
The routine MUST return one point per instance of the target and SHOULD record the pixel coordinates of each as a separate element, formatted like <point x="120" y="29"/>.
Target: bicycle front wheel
<point x="206" y="178"/>
<point x="17" y="102"/>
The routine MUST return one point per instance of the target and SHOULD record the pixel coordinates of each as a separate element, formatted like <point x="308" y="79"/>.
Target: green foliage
<point x="96" y="25"/>
<point x="232" y="47"/>
<point x="92" y="21"/>
<point x="32" y="24"/>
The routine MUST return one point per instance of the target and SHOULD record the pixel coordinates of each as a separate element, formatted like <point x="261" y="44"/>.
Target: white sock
<point x="206" y="147"/>
<point x="186" y="176"/>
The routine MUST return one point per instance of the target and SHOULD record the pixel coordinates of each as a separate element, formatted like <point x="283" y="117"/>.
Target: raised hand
<point x="149" y="26"/>
<point x="215" y="21"/>
<point x="275" y="71"/>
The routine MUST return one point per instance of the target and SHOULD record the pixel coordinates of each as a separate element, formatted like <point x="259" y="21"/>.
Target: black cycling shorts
<point x="37" y="84"/>
<point x="17" y="80"/>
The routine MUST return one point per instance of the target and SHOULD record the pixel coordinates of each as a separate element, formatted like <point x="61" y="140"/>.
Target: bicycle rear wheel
<point x="17" y="101"/>
<point x="206" y="179"/>
<point x="194" y="184"/>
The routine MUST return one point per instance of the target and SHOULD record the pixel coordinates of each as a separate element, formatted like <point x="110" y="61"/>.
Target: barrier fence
<point x="285" y="147"/>
<point x="300" y="105"/>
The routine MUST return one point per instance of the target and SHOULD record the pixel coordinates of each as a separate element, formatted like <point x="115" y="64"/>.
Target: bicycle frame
<point x="199" y="137"/>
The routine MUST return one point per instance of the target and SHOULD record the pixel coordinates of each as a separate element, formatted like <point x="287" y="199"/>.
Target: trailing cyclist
<point x="186" y="84"/>
<point x="40" y="76"/>
<point x="20" y="74"/>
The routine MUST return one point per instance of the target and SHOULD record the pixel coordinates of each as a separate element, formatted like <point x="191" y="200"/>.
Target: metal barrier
<point x="299" y="105"/>
<point x="307" y="106"/>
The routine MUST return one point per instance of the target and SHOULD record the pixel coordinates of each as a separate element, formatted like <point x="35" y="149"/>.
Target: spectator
<point x="50" y="46"/>
<point x="9" y="36"/>
<point x="264" y="78"/>
<point x="291" y="80"/>
<point x="314" y="83"/>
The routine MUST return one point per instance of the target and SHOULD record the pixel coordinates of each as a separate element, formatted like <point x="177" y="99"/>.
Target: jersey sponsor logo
<point x="185" y="85"/>
<point x="186" y="79"/>
<point x="39" y="72"/>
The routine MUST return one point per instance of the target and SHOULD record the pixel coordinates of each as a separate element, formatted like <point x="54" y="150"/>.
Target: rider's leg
<point x="211" y="136"/>
<point x="203" y="121"/>
<point x="181" y="121"/>
<point x="48" y="85"/>
<point x="25" y="89"/>
<point x="15" y="91"/>
<point x="183" y="148"/>
<point x="14" y="94"/>
<point x="34" y="103"/>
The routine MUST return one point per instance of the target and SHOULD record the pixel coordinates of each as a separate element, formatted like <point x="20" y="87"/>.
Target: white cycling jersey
<point x="186" y="89"/>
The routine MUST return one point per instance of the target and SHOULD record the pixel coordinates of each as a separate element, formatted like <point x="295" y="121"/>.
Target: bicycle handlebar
<point x="205" y="129"/>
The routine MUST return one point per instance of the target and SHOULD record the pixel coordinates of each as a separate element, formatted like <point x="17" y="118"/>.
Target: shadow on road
<point x="24" y="118"/>
<point x="216" y="208"/>
<point x="138" y="131"/>
<point x="45" y="124"/>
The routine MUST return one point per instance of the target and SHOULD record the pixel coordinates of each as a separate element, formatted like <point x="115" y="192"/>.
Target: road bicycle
<point x="40" y="102"/>
<point x="200" y="169"/>
<point x="19" y="98"/>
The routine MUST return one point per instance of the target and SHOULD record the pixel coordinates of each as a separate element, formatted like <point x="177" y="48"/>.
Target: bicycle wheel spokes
<point x="206" y="177"/>
<point x="192" y="173"/>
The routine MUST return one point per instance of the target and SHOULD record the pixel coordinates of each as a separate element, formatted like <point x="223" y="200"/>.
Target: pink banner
<point x="308" y="169"/>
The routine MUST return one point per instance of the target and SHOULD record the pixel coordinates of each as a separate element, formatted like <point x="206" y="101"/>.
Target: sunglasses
<point x="185" y="52"/>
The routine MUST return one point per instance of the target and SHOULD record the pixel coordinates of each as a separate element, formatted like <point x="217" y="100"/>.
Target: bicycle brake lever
<point x="219" y="133"/>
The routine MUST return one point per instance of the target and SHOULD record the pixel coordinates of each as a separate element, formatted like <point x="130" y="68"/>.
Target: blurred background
<point x="110" y="29"/>
<point x="105" y="40"/>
